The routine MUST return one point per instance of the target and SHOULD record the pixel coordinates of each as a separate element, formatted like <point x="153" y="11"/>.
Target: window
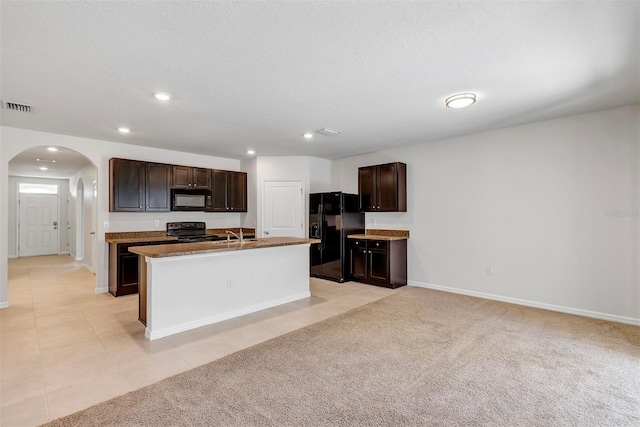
<point x="38" y="188"/>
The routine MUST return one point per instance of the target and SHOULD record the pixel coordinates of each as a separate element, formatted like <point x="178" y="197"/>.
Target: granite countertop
<point x="180" y="249"/>
<point x="161" y="236"/>
<point x="381" y="235"/>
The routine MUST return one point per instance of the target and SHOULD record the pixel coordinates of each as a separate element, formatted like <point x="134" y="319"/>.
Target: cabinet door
<point x="181" y="177"/>
<point x="378" y="266"/>
<point x="358" y="263"/>
<point x="237" y="191"/>
<point x="201" y="178"/>
<point x="128" y="274"/>
<point x="158" y="197"/>
<point x="387" y="194"/>
<point x="219" y="200"/>
<point x="367" y="188"/>
<point x="127" y="185"/>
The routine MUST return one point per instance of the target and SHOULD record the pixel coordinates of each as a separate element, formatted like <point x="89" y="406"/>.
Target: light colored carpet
<point x="418" y="357"/>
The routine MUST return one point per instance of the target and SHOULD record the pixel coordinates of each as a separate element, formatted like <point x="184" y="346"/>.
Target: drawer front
<point x="357" y="243"/>
<point x="379" y="244"/>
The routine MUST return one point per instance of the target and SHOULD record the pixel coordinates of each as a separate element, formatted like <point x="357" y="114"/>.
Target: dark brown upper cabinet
<point x="191" y="178"/>
<point x="139" y="186"/>
<point x="127" y="185"/>
<point x="229" y="191"/>
<point x="157" y="193"/>
<point x="383" y="188"/>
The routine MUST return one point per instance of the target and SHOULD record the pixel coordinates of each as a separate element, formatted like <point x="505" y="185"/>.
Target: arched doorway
<point x="79" y="223"/>
<point x="76" y="177"/>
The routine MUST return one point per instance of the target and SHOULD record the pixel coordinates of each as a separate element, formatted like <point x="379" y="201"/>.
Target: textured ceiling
<point x="260" y="74"/>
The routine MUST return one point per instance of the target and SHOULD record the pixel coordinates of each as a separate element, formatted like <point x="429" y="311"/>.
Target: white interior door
<point x="38" y="224"/>
<point x="283" y="205"/>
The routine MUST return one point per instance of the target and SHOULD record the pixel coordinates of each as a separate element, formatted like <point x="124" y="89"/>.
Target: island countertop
<point x="180" y="249"/>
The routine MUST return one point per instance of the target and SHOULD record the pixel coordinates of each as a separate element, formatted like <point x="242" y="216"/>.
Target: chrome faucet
<point x="229" y="233"/>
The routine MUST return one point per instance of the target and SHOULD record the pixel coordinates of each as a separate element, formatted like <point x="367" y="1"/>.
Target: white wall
<point x="99" y="152"/>
<point x="13" y="214"/>
<point x="534" y="202"/>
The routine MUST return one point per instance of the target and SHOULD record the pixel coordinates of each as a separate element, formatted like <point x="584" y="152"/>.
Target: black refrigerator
<point x="332" y="217"/>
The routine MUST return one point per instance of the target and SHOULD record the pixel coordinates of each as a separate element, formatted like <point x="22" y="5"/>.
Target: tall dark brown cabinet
<point x="383" y="188"/>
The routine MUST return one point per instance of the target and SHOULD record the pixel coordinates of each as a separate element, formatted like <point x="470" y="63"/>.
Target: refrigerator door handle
<point x="321" y="229"/>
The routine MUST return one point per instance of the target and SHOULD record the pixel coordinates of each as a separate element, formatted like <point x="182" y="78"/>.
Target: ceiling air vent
<point x="327" y="131"/>
<point x="23" y="108"/>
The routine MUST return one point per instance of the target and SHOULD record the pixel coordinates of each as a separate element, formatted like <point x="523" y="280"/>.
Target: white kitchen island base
<point x="189" y="291"/>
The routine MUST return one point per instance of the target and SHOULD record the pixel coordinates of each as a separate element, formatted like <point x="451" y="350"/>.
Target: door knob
<point x="266" y="232"/>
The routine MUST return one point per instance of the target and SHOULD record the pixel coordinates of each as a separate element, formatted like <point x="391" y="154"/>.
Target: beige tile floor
<point x="63" y="348"/>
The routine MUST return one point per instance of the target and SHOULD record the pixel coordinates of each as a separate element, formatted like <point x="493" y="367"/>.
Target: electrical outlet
<point x="107" y="224"/>
<point x="229" y="285"/>
<point x="157" y="223"/>
<point x="489" y="271"/>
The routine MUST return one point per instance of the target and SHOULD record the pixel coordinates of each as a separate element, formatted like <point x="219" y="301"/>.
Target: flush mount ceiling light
<point x="162" y="96"/>
<point x="308" y="135"/>
<point x="460" y="100"/>
<point x="52" y="149"/>
<point x="251" y="151"/>
<point x="124" y="130"/>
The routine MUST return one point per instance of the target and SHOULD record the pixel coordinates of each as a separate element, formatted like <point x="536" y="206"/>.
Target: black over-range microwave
<point x="190" y="200"/>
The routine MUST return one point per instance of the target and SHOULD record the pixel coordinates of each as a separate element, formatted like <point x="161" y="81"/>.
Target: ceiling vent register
<point x="327" y="131"/>
<point x="14" y="106"/>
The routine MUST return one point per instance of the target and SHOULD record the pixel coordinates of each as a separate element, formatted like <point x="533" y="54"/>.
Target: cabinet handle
<point x="231" y="207"/>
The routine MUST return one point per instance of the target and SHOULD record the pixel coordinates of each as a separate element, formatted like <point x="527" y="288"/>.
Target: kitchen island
<point x="184" y="286"/>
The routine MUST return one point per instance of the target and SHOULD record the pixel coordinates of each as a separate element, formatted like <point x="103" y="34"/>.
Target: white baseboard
<point x="102" y="290"/>
<point x="63" y="253"/>
<point x="545" y="306"/>
<point x="153" y="335"/>
<point x="85" y="266"/>
<point x="78" y="258"/>
<point x="4" y="304"/>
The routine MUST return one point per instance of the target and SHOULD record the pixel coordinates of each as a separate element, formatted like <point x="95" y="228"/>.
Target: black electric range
<point x="192" y="231"/>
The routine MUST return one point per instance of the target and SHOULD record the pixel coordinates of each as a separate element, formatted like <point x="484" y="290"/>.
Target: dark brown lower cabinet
<point x="123" y="268"/>
<point x="378" y="262"/>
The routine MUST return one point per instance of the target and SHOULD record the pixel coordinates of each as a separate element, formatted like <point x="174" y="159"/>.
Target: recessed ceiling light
<point x="124" y="130"/>
<point x="308" y="135"/>
<point x="162" y="96"/>
<point x="52" y="149"/>
<point x="42" y="168"/>
<point x="45" y="160"/>
<point x="251" y="151"/>
<point x="460" y="100"/>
